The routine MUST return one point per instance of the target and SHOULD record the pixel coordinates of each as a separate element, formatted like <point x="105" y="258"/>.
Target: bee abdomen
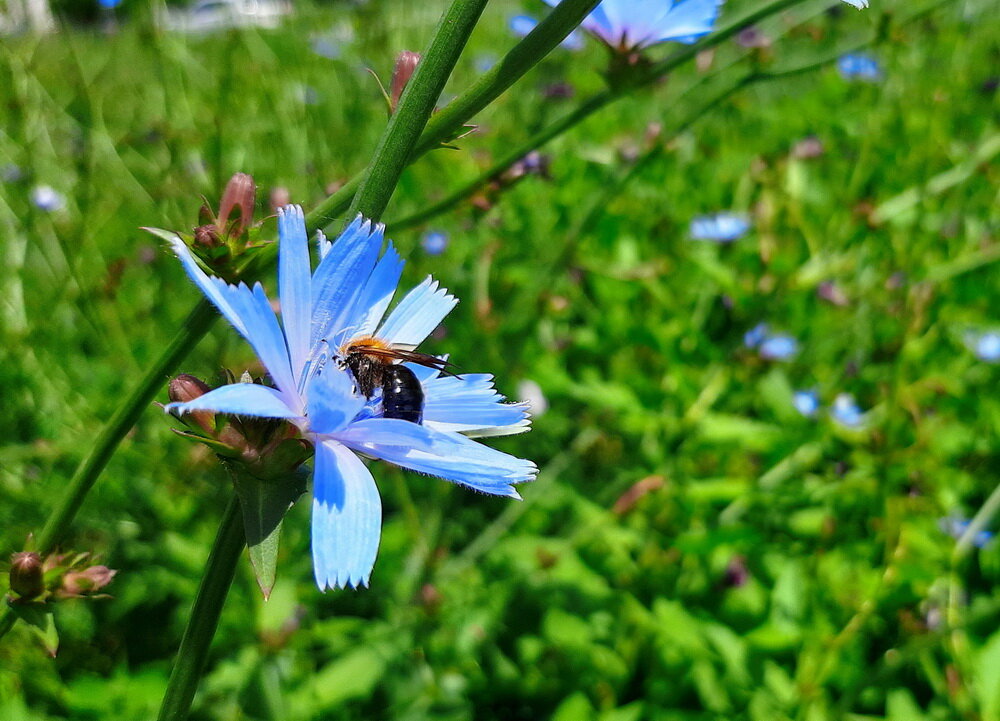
<point x="402" y="394"/>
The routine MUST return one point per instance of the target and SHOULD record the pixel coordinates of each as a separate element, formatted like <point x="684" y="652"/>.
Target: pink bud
<point x="240" y="192"/>
<point x="406" y="64"/>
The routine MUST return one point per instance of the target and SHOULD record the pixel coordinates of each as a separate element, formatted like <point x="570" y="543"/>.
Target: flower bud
<point x="185" y="388"/>
<point x="240" y="192"/>
<point x="26" y="577"/>
<point x="85" y="582"/>
<point x="207" y="236"/>
<point x="406" y="64"/>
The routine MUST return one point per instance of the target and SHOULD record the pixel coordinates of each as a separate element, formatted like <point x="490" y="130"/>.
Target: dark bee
<point x="372" y="363"/>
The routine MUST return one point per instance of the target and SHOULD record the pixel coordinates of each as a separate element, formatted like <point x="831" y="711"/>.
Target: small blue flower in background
<point x="109" y="4"/>
<point x="325" y="47"/>
<point x="755" y="336"/>
<point x="521" y="25"/>
<point x="434" y="242"/>
<point x="846" y="412"/>
<point x="629" y="25"/>
<point x="770" y="346"/>
<point x="720" y="227"/>
<point x="11" y="173"/>
<point x="323" y="312"/>
<point x="778" y="347"/>
<point x="47" y="198"/>
<point x="986" y="345"/>
<point x="859" y="66"/>
<point x="859" y="4"/>
<point x="806" y="403"/>
<point x="484" y="62"/>
<point x="956" y="528"/>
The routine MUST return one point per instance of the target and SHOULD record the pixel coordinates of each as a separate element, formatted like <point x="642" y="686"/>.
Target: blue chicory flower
<point x="434" y="242"/>
<point x="323" y="311"/>
<point x="770" y="346"/>
<point x="859" y="4"/>
<point x="986" y="345"/>
<point x="806" y="403"/>
<point x="629" y="25"/>
<point x="778" y="347"/>
<point x="720" y="227"/>
<point x="521" y="25"/>
<point x="859" y="66"/>
<point x="846" y="412"/>
<point x="956" y="527"/>
<point x="755" y="336"/>
<point x="47" y="198"/>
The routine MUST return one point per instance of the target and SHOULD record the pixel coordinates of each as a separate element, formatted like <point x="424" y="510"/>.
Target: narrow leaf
<point x="42" y="622"/>
<point x="264" y="504"/>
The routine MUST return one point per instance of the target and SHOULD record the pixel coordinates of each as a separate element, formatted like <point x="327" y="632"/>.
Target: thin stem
<point x="595" y="103"/>
<point x="194" y="327"/>
<point x="449" y="121"/>
<point x="226" y="551"/>
<point x="537" y="140"/>
<point x="982" y="519"/>
<point x="606" y="97"/>
<point x="415" y="107"/>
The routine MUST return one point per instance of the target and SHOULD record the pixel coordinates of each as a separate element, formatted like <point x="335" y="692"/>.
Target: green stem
<point x="982" y="519"/>
<point x="194" y="327"/>
<point x="449" y="121"/>
<point x="218" y="577"/>
<point x="415" y="107"/>
<point x="595" y="103"/>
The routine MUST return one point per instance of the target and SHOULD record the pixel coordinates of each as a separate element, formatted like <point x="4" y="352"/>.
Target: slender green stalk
<point x="194" y="327"/>
<point x="594" y="104"/>
<point x="982" y="519"/>
<point x="215" y="583"/>
<point x="535" y="141"/>
<point x="445" y="124"/>
<point x="610" y="95"/>
<point x="415" y="107"/>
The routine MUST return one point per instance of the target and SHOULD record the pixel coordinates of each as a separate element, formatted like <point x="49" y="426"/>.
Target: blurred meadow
<point x="703" y="542"/>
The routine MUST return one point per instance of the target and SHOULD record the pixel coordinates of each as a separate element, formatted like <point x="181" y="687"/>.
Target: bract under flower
<point x="347" y="297"/>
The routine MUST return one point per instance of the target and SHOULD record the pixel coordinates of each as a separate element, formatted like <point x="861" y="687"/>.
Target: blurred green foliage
<point x="694" y="548"/>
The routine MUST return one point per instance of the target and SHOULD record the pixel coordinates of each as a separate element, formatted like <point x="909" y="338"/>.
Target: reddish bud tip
<point x="185" y="388"/>
<point x="207" y="236"/>
<point x="26" y="574"/>
<point x="240" y="192"/>
<point x="406" y="64"/>
<point x="87" y="581"/>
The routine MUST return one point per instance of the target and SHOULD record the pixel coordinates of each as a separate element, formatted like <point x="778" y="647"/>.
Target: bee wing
<point x="412" y="356"/>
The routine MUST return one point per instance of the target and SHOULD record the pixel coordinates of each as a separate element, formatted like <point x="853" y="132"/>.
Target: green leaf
<point x="42" y="622"/>
<point x="264" y="505"/>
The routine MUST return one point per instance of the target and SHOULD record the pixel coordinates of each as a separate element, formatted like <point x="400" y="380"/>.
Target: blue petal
<point x="469" y="404"/>
<point x="322" y="244"/>
<point x="522" y="24"/>
<point x="251" y="314"/>
<point x="447" y="455"/>
<point x="241" y="399"/>
<point x="859" y="4"/>
<point x="346" y="518"/>
<point x="339" y="279"/>
<point x="295" y="285"/>
<point x="686" y="21"/>
<point x="332" y="400"/>
<point x="417" y="314"/>
<point x="378" y="291"/>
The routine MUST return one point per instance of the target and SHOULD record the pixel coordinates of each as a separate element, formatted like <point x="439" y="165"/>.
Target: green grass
<point x="588" y="284"/>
